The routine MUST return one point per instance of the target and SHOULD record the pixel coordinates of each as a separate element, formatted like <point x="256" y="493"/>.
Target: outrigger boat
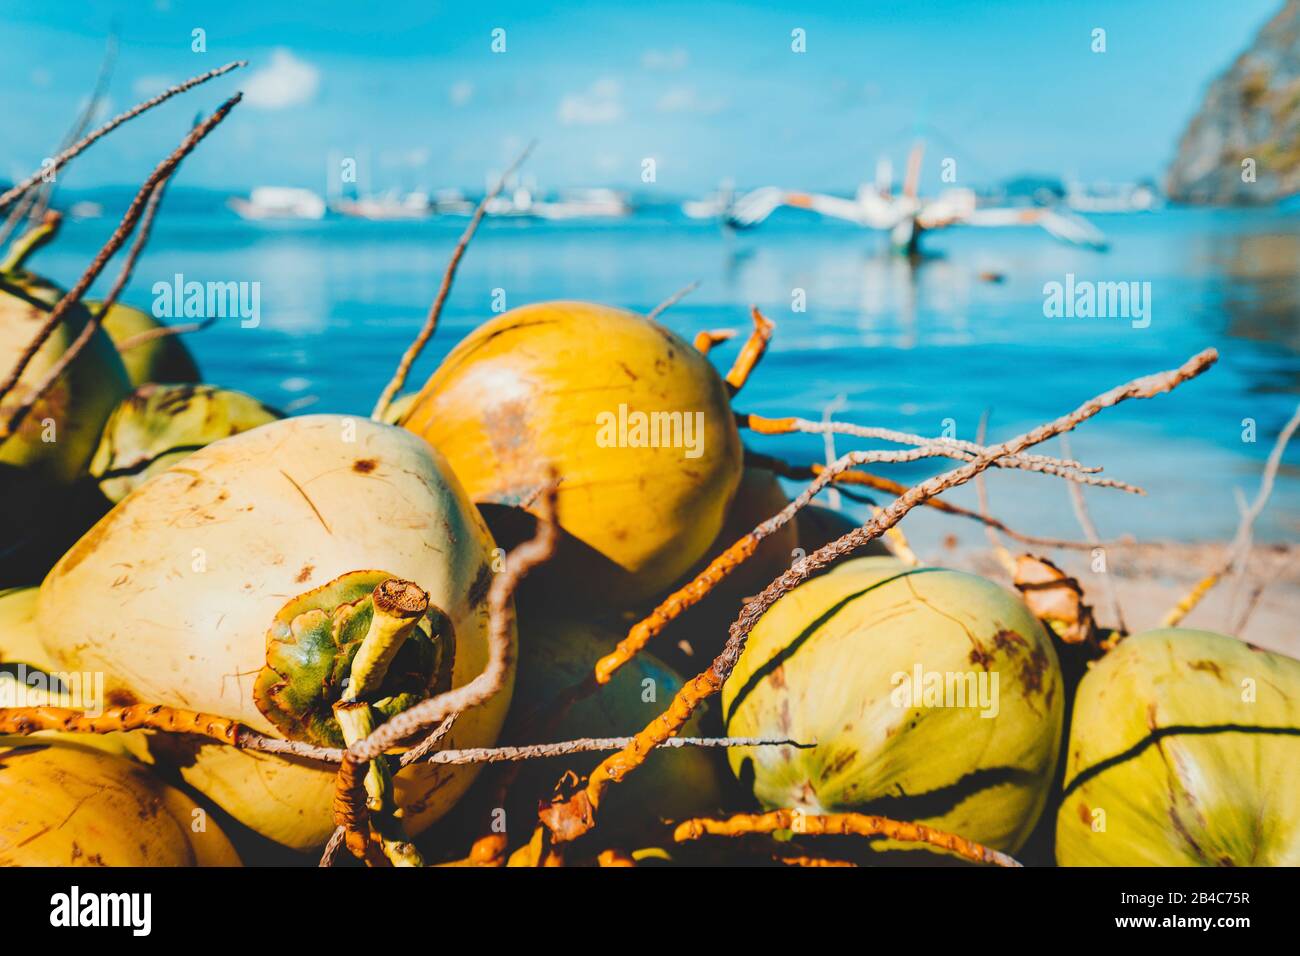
<point x="906" y="215"/>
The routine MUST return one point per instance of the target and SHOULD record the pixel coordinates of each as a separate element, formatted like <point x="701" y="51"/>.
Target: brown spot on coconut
<point x="1211" y="782"/>
<point x="876" y="664"/>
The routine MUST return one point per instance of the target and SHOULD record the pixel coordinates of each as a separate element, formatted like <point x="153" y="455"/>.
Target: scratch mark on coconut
<point x="310" y="503"/>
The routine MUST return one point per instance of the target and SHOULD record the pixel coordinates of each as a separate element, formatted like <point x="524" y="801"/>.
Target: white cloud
<point x="600" y="103"/>
<point x="685" y="99"/>
<point x="147" y="86"/>
<point x="665" y="60"/>
<point x="461" y="92"/>
<point x="287" y="81"/>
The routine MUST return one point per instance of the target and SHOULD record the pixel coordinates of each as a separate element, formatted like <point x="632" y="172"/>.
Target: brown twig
<point x="430" y="743"/>
<point x="1240" y="548"/>
<point x="571" y="817"/>
<point x="1090" y="532"/>
<point x="840" y="824"/>
<point x="430" y="712"/>
<point x="864" y="479"/>
<point x="45" y="191"/>
<point x="435" y="310"/>
<point x="672" y="300"/>
<point x="751" y="352"/>
<point x="982" y="496"/>
<point x="96" y="318"/>
<point x="162" y="332"/>
<point x="959" y="450"/>
<point x="81" y="145"/>
<point x="124" y="229"/>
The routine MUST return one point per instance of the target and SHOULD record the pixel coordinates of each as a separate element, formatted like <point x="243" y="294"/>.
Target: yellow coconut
<point x="1184" y="749"/>
<point x="636" y="422"/>
<point x="184" y="594"/>
<point x="29" y="678"/>
<point x="931" y="695"/>
<point x="156" y="426"/>
<point x="63" y="804"/>
<point x="554" y="654"/>
<point x="164" y="358"/>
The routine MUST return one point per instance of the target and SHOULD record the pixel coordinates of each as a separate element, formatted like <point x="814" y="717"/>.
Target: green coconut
<point x="164" y="358"/>
<point x="556" y="653"/>
<point x="156" y="426"/>
<point x="49" y="452"/>
<point x="1183" y="751"/>
<point x="929" y="695"/>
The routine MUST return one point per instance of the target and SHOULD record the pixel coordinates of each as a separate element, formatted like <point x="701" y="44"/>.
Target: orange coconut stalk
<point x="839" y="824"/>
<point x="568" y="818"/>
<point x="754" y="348"/>
<point x="29" y="720"/>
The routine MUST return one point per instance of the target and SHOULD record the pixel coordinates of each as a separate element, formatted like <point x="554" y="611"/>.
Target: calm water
<point x="908" y="346"/>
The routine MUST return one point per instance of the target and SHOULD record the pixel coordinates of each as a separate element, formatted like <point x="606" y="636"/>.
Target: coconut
<point x="930" y="695"/>
<point x="28" y="678"/>
<point x="156" y="426"/>
<point x="1183" y="751"/>
<point x="162" y="359"/>
<point x="193" y="585"/>
<point x="53" y="444"/>
<point x="636" y="422"/>
<point x="555" y="653"/>
<point x="65" y="805"/>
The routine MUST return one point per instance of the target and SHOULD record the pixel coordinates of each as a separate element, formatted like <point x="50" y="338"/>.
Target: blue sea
<point x="907" y="344"/>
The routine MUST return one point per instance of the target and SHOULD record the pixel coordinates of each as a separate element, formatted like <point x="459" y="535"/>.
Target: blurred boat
<point x="1108" y="198"/>
<point x="386" y="207"/>
<point x="906" y="215"/>
<point x="523" y="201"/>
<point x="452" y="202"/>
<point x="279" y="202"/>
<point x="85" y="209"/>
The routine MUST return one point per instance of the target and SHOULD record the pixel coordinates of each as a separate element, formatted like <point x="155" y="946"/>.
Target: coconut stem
<point x="357" y="720"/>
<point x="840" y="824"/>
<point x="30" y="241"/>
<point x="753" y="350"/>
<point x="29" y="720"/>
<point x="398" y="607"/>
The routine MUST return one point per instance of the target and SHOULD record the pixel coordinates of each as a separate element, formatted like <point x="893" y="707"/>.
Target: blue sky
<point x="709" y="90"/>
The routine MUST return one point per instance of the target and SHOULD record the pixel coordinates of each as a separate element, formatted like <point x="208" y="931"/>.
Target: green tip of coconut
<point x="310" y="648"/>
<point x="29" y="242"/>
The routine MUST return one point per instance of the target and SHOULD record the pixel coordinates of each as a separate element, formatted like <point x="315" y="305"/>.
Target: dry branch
<point x="571" y="817"/>
<point x="672" y="300"/>
<point x="1240" y="547"/>
<point x="124" y="229"/>
<point x="840" y="824"/>
<point x="435" y="310"/>
<point x="81" y="145"/>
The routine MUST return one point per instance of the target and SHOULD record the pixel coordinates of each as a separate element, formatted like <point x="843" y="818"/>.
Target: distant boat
<point x="278" y="202"/>
<point x="85" y="209"/>
<point x="452" y="202"/>
<point x="906" y="215"/>
<point x="389" y="206"/>
<point x="1107" y="198"/>
<point x="570" y="204"/>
